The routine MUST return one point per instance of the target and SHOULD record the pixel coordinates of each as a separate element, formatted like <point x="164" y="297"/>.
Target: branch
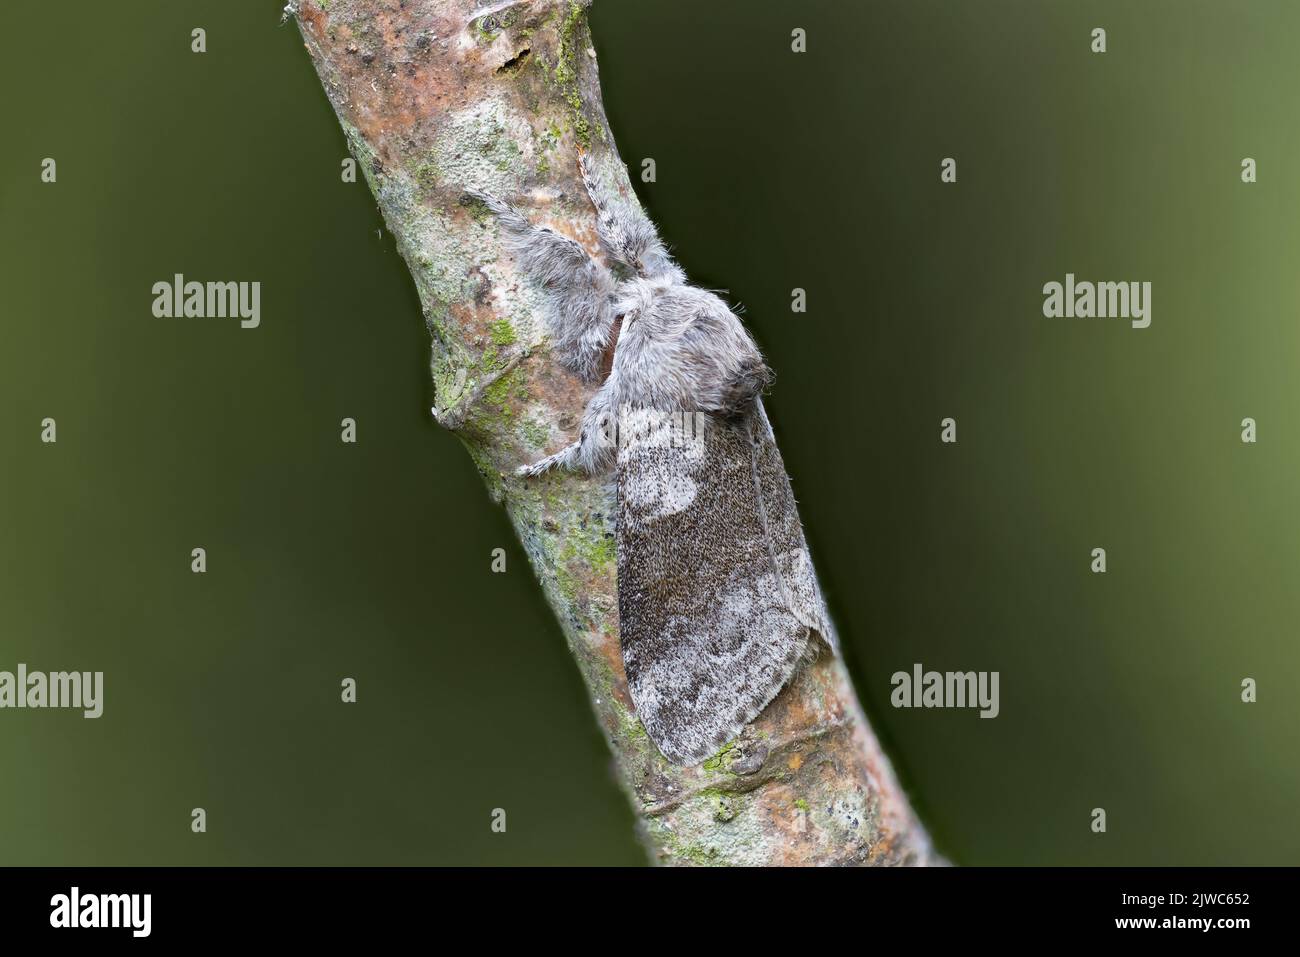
<point x="438" y="96"/>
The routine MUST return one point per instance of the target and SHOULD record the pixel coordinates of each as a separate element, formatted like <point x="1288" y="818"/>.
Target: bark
<point x="439" y="95"/>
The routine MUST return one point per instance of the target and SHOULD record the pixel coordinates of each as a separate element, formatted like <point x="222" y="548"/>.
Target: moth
<point x="718" y="602"/>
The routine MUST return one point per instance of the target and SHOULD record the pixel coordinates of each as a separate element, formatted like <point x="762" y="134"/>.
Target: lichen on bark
<point x="440" y="96"/>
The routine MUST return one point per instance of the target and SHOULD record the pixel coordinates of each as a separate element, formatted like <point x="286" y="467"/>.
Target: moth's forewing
<point x="718" y="602"/>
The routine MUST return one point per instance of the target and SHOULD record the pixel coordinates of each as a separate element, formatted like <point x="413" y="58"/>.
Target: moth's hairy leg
<point x="509" y="217"/>
<point x="545" y="255"/>
<point x="594" y="450"/>
<point x="560" y="459"/>
<point x="626" y="235"/>
<point x="579" y="289"/>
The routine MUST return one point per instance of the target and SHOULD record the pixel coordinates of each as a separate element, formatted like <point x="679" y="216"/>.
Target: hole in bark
<point x="515" y="62"/>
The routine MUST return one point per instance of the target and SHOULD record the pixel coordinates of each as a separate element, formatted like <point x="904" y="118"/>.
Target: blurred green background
<point x="775" y="170"/>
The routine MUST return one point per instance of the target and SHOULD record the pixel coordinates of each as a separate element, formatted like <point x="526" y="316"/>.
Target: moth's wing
<point x="718" y="605"/>
<point x="785" y="531"/>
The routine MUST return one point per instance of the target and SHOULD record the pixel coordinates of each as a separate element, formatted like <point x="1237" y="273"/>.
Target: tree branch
<point x="439" y="96"/>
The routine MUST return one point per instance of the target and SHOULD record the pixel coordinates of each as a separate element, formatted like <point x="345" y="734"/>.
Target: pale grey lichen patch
<point x="527" y="315"/>
<point x="442" y="258"/>
<point x="713" y="828"/>
<point x="845" y="819"/>
<point x="486" y="146"/>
